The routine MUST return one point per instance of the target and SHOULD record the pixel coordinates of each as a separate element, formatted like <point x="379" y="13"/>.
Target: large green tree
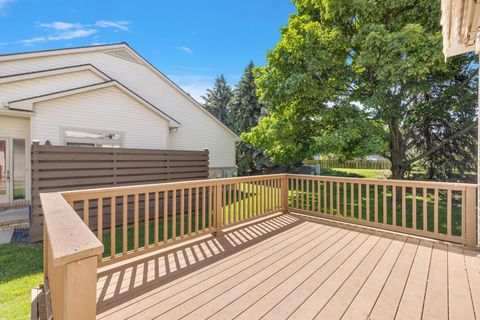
<point x="218" y="98"/>
<point x="244" y="112"/>
<point x="353" y="77"/>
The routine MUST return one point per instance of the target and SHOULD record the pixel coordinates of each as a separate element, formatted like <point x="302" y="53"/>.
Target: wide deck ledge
<point x="290" y="266"/>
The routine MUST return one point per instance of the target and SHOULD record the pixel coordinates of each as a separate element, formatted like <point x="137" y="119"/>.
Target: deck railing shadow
<point x="118" y="284"/>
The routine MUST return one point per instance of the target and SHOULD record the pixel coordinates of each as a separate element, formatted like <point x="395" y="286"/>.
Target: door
<point x="4" y="171"/>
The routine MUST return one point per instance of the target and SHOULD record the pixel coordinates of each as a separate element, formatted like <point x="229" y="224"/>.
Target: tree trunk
<point x="397" y="152"/>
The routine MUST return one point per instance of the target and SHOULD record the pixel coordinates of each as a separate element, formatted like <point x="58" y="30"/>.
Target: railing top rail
<point x="406" y="183"/>
<point x="112" y="191"/>
<point x="69" y="237"/>
<point x="144" y="188"/>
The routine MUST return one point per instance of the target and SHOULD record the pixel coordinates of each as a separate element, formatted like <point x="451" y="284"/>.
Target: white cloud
<point x="72" y="34"/>
<point x="122" y="25"/>
<point x="61" y="30"/>
<point x="186" y="50"/>
<point x="59" y="25"/>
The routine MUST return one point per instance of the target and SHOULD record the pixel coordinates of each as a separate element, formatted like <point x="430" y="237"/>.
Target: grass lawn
<point x="355" y="173"/>
<point x="20" y="271"/>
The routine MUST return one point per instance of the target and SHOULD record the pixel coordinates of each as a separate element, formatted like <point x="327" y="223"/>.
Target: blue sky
<point x="191" y="41"/>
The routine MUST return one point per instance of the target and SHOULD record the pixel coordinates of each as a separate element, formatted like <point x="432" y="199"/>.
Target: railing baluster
<point x="247" y="200"/>
<point x="319" y="197"/>
<point x="113" y="225"/>
<point x="235" y="205"/>
<point x="325" y="197"/>
<point x="414" y="208"/>
<point x="307" y="194"/>
<point x="435" y="212"/>
<point x="182" y="212"/>
<point x="265" y="195"/>
<point x="256" y="201"/>
<point x="243" y="202"/>
<point x="231" y="207"/>
<point x="375" y="200"/>
<point x="174" y="214"/>
<point x="125" y="224"/>
<point x="352" y="200"/>
<point x="296" y="194"/>
<point x="210" y="207"/>
<point x="271" y="194"/>
<point x="147" y="219"/>
<point x="394" y="205"/>
<point x="425" y="213"/>
<point x="338" y="198"/>
<point x="189" y="211"/>
<point x="344" y="188"/>
<point x="135" y="222"/>
<point x="204" y="208"/>
<point x="331" y="197"/>
<point x="156" y="214"/>
<point x="360" y="200"/>
<point x="197" y="214"/>
<point x="385" y="220"/>
<point x="86" y="212"/>
<point x="313" y="195"/>
<point x="404" y="207"/>
<point x="100" y="219"/>
<point x="367" y="202"/>
<point x="165" y="216"/>
<point x="449" y="212"/>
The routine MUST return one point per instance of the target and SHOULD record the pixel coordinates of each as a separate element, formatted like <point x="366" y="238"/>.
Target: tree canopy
<point x="359" y="77"/>
<point x="218" y="98"/>
<point x="244" y="112"/>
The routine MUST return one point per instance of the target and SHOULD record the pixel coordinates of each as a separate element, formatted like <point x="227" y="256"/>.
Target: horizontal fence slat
<point x="62" y="168"/>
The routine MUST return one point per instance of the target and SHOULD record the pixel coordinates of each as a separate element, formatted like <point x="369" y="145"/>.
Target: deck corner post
<point x="285" y="208"/>
<point x="471" y="217"/>
<point x="80" y="291"/>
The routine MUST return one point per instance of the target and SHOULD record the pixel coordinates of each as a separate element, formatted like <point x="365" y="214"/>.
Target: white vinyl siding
<point x="13" y="127"/>
<point x="45" y="85"/>
<point x="198" y="130"/>
<point x="104" y="109"/>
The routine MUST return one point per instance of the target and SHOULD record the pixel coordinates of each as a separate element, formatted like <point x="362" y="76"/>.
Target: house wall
<point x="198" y="130"/>
<point x="34" y="87"/>
<point x="108" y="109"/>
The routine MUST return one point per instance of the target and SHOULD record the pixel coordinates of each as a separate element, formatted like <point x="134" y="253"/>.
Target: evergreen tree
<point x="244" y="112"/>
<point x="218" y="98"/>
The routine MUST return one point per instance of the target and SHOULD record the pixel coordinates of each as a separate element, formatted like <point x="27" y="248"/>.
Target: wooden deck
<point x="289" y="266"/>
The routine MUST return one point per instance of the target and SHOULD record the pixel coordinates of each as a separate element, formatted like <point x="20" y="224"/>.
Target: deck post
<point x="217" y="213"/>
<point x="471" y="217"/>
<point x="80" y="291"/>
<point x="285" y="208"/>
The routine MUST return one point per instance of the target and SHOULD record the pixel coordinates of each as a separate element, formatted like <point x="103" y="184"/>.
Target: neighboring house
<point x="104" y="96"/>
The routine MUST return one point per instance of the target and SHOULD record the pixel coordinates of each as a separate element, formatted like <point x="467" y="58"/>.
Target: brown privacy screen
<point x="61" y="168"/>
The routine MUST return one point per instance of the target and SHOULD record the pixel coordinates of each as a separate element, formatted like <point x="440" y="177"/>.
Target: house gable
<point x="27" y="103"/>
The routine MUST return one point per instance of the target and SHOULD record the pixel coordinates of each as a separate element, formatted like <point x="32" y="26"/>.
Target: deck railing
<point x="136" y="219"/>
<point x="437" y="210"/>
<point x="91" y="228"/>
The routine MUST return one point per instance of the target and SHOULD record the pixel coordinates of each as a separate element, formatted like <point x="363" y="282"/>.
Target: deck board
<point x="289" y="266"/>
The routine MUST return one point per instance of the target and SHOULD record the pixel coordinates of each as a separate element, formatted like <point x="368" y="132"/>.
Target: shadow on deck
<point x="290" y="266"/>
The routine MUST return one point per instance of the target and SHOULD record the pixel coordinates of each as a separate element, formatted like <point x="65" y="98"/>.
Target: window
<point x="92" y="138"/>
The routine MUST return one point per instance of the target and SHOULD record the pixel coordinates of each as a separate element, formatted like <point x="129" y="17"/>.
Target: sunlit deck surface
<point x="290" y="266"/>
